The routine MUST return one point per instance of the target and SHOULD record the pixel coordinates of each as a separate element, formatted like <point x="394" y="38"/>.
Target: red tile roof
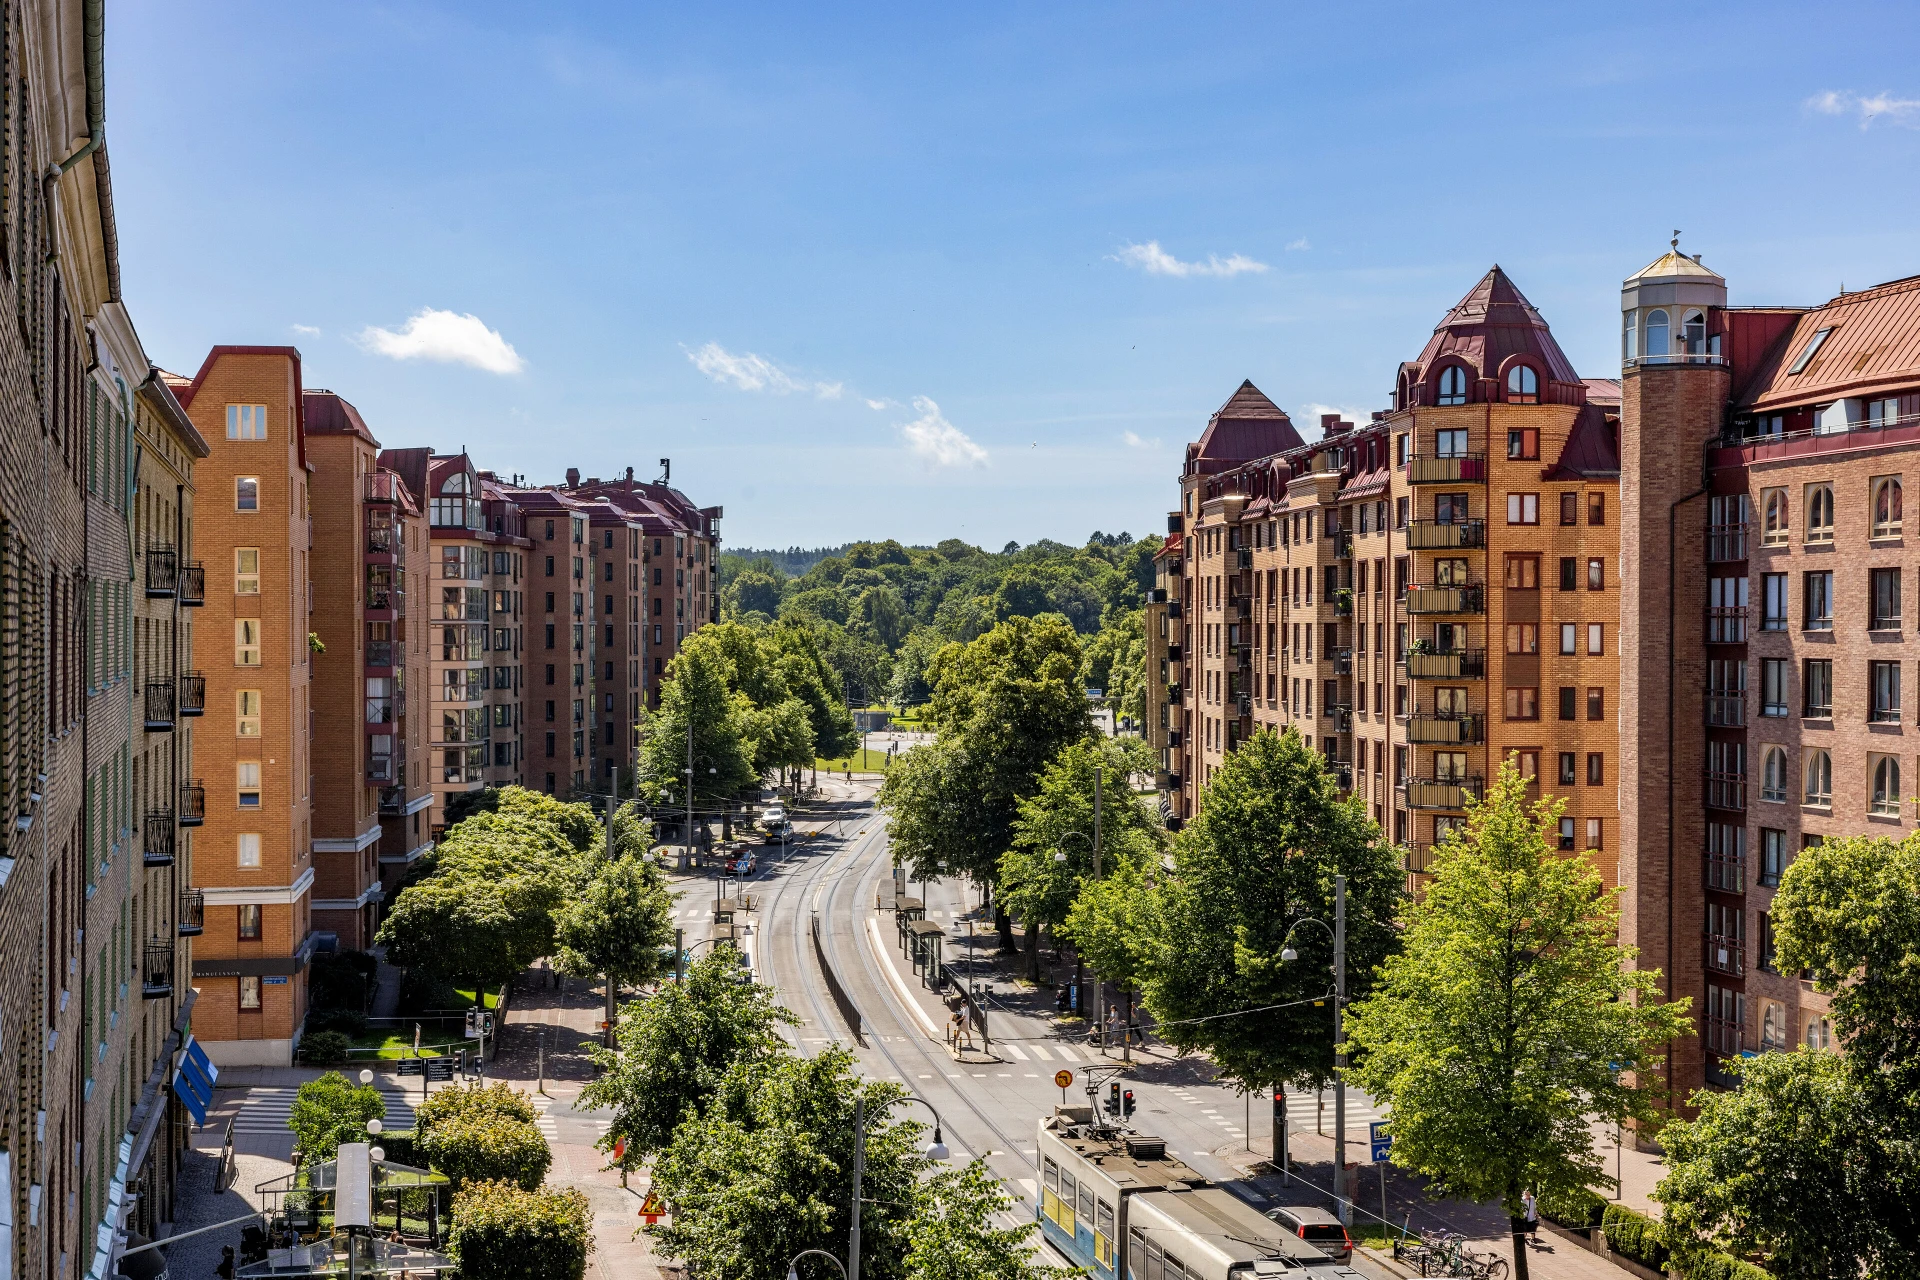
<point x="1492" y="322"/>
<point x="1246" y="427"/>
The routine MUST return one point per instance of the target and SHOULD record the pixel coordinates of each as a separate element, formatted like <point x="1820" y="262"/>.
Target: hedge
<point x="494" y="1099"/>
<point x="501" y="1232"/>
<point x="1718" y="1266"/>
<point x="485" y="1146"/>
<point x="324" y="1048"/>
<point x="398" y="1144"/>
<point x="1635" y="1235"/>
<point x="1580" y="1208"/>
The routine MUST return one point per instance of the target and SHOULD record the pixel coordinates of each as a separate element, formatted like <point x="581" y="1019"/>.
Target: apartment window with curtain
<point x="1775" y="676"/>
<point x="1885" y="772"/>
<point x="1773" y="602"/>
<point x="1773" y="855"/>
<point x="1816" y="685"/>
<point x="1884" y="680"/>
<point x="1885" y="594"/>
<point x="1817" y="593"/>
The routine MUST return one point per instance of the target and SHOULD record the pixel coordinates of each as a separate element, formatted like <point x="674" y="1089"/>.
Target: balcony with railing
<point x="393" y="801"/>
<point x="1469" y="598"/>
<point x="1342" y="771"/>
<point x="386" y="709"/>
<point x="193" y="913"/>
<point x="1173" y="691"/>
<point x="1424" y="469"/>
<point x="1239" y="608"/>
<point x="1243" y="557"/>
<point x="1342" y="544"/>
<point x="1342" y="662"/>
<point x="1243" y="705"/>
<point x="1723" y="1035"/>
<point x="1726" y="710"/>
<point x="1343" y="602"/>
<point x="383" y="535"/>
<point x="384" y="591"/>
<point x="1417" y="858"/>
<point x="156" y="971"/>
<point x="1443" y="728"/>
<point x="1727" y="541"/>
<point x="163" y="573"/>
<point x="1341" y="715"/>
<point x="380" y="766"/>
<point x="1727" y="872"/>
<point x="1726" y="790"/>
<point x="384" y="487"/>
<point x="160" y="702"/>
<point x="1725" y="954"/>
<point x="193" y="585"/>
<point x="1727" y="624"/>
<point x="1241" y="657"/>
<point x="156" y="850"/>
<point x="1443" y="535"/>
<point x="1174" y="653"/>
<point x="380" y="653"/>
<point x="1446" y="664"/>
<point x="1439" y="793"/>
<point x="193" y="694"/>
<point x="193" y="804"/>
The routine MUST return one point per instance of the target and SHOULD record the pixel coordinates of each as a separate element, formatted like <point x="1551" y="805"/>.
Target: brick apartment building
<point x="254" y="855"/>
<point x="561" y="651"/>
<point x="1420" y="596"/>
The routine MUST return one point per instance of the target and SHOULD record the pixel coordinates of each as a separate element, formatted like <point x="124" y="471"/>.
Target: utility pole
<point x="859" y="1168"/>
<point x="613" y="803"/>
<point x="689" y="831"/>
<point x="1340" y="1051"/>
<point x="1099" y="987"/>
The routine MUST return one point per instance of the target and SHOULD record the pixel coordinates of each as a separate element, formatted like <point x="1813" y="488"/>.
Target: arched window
<point x="1523" y="385"/>
<point x="1775" y="515"/>
<point x="1819" y="513"/>
<point x="1886" y="507"/>
<point x="456" y="483"/>
<point x="1693" y="333"/>
<point x="1886" y="786"/>
<point x="1819" y="778"/>
<point x="1773" y="776"/>
<point x="1656" y="335"/>
<point x="1453" y="385"/>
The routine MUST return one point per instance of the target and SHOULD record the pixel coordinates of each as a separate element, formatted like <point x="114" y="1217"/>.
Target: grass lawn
<point x="908" y="719"/>
<point x="862" y="761"/>
<point x="397" y="1041"/>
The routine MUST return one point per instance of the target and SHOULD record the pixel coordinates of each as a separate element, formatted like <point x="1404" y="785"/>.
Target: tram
<point x="1118" y="1205"/>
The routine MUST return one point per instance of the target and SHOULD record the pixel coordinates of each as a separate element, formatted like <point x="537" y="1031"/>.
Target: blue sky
<point x="962" y="270"/>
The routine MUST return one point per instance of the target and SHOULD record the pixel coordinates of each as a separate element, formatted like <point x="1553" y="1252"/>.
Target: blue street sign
<point x="1380" y="1138"/>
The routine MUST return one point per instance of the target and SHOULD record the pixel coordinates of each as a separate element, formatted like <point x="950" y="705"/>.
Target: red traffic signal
<point x="1126" y="1103"/>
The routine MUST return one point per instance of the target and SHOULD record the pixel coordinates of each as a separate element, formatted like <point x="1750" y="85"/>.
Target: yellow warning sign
<point x="651" y="1210"/>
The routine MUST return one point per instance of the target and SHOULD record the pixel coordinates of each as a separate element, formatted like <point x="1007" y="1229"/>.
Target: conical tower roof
<point x="1246" y="427"/>
<point x="1492" y="322"/>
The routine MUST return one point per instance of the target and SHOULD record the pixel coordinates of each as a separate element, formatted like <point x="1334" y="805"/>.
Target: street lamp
<point x="935" y="1150"/>
<point x="1338" y="932"/>
<point x="1059" y="858"/>
<point x="793" y="1271"/>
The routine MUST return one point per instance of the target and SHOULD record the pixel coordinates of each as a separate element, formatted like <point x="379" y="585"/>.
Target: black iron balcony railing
<point x="1343" y="603"/>
<point x="379" y="653"/>
<point x="193" y="804"/>
<point x="1726" y="955"/>
<point x="157" y="849"/>
<point x="1173" y="782"/>
<point x="1343" y="662"/>
<point x="1453" y="664"/>
<point x="1173" y="737"/>
<point x="156" y="971"/>
<point x="1439" y="535"/>
<point x="193" y="585"/>
<point x="1723" y="1036"/>
<point x="1443" y="728"/>
<point x="1470" y="598"/>
<point x="1727" y="625"/>
<point x="1342" y="544"/>
<point x="1342" y="716"/>
<point x="1726" y="710"/>
<point x="163" y="573"/>
<point x="385" y="710"/>
<point x="1243" y="657"/>
<point x="1243" y="558"/>
<point x="1342" y="771"/>
<point x="1422" y="469"/>
<point x="1727" y="542"/>
<point x="1440" y="793"/>
<point x="1727" y="872"/>
<point x="160" y="706"/>
<point x="1243" y="705"/>
<point x="1173" y="609"/>
<point x="1173" y="691"/>
<point x="193" y="694"/>
<point x="1726" y="790"/>
<point x="193" y="913"/>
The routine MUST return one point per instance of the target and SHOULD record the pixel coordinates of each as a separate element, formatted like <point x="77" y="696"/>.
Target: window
<point x="1569" y="632"/>
<point x="1886" y="506"/>
<point x="1816" y="682"/>
<point x="1597" y="509"/>
<point x="1523" y="443"/>
<point x="1569" y="508"/>
<point x="1885" y="615"/>
<point x="1629" y="334"/>
<point x="1523" y="508"/>
<point x="1886" y="786"/>
<point x="1596" y="769"/>
<point x="1819" y="791"/>
<point x="1596" y="703"/>
<point x="1593" y="833"/>
<point x="250" y="922"/>
<point x="246" y="571"/>
<point x="1523" y="572"/>
<point x="1566" y="834"/>
<point x="1596" y="638"/>
<point x="246" y="493"/>
<point x="247" y="713"/>
<point x="247" y="782"/>
<point x="1885" y="682"/>
<point x="246" y="422"/>
<point x="246" y="642"/>
<point x="1597" y="575"/>
<point x="1819" y="513"/>
<point x="1523" y="637"/>
<point x="1569" y="573"/>
<point x="1523" y="387"/>
<point x="1773" y="602"/>
<point x="1773" y="686"/>
<point x="1693" y="334"/>
<point x="1453" y="386"/>
<point x="1523" y="703"/>
<point x="249" y="993"/>
<point x="1773" y="517"/>
<point x="1773" y="775"/>
<point x="1657" y="325"/>
<point x="1817" y="596"/>
<point x="1773" y="855"/>
<point x="248" y="849"/>
<point x="1569" y="702"/>
<point x="1808" y="352"/>
<point x="1567" y="768"/>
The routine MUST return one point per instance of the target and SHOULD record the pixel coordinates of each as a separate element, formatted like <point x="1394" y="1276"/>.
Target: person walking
<point x="1530" y="1204"/>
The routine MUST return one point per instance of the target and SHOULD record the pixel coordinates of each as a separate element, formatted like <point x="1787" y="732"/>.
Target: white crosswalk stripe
<point x="265" y="1109"/>
<point x="1014" y="1049"/>
<point x="1040" y="1052"/>
<point x="1067" y="1053"/>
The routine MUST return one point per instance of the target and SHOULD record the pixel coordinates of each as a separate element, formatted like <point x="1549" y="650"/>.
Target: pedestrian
<point x="1531" y="1205"/>
<point x="225" y="1269"/>
<point x="1113" y="1025"/>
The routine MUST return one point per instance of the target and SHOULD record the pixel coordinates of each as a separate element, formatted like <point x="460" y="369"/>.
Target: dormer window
<point x="1523" y="385"/>
<point x="1453" y="386"/>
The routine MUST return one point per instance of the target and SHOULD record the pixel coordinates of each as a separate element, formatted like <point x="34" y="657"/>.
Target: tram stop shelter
<point x="351" y="1216"/>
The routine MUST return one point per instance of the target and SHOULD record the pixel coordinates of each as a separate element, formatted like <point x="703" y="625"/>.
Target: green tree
<point x="487" y="1146"/>
<point x="885" y="618"/>
<point x="502" y="1232"/>
<point x="954" y="1235"/>
<point x="910" y="685"/>
<point x="1509" y="1021"/>
<point x="616" y="926"/>
<point x="1116" y="662"/>
<point x="676" y="1046"/>
<point x="1112" y="922"/>
<point x="696" y="694"/>
<point x="1272" y="833"/>
<point x="756" y="590"/>
<point x="813" y="680"/>
<point x="330" y="1110"/>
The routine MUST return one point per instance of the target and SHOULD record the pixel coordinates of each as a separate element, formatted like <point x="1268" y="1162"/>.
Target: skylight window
<point x="1812" y="349"/>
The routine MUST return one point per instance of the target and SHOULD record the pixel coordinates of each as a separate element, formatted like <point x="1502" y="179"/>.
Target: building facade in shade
<point x="473" y="581"/>
<point x="370" y="765"/>
<point x="561" y="652"/>
<point x="1767" y="644"/>
<point x="1421" y="597"/>
<point x="614" y="562"/>
<point x="253" y="857"/>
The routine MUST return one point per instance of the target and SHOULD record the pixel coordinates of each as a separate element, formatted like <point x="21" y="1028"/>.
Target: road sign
<point x="1380" y="1138"/>
<point x="1063" y="1078"/>
<point x="413" y="1066"/>
<point x="651" y="1210"/>
<point x="439" y="1068"/>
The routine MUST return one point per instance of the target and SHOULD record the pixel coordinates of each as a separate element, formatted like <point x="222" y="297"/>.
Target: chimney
<point x="1329" y="424"/>
<point x="573" y="477"/>
<point x="629" y="475"/>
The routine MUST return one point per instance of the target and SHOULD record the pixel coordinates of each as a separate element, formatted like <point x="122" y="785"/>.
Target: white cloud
<point x="448" y="337"/>
<point x="750" y="372"/>
<point x="1133" y="441"/>
<point x="1298" y="246"/>
<point x="938" y="441"/>
<point x="1869" y="107"/>
<point x="1155" y="261"/>
<point x="883" y="403"/>
<point x="310" y="331"/>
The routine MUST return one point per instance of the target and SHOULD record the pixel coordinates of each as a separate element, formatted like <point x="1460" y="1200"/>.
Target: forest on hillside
<point x="881" y="610"/>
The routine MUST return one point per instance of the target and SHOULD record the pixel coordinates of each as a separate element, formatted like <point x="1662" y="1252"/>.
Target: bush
<point x="330" y="1111"/>
<point x="325" y="1048"/>
<point x="348" y="1022"/>
<point x="484" y="1146"/>
<point x="501" y="1232"/>
<point x="1581" y="1208"/>
<point x="1636" y="1236"/>
<point x="474" y="1099"/>
<point x="1718" y="1266"/>
<point x="399" y="1146"/>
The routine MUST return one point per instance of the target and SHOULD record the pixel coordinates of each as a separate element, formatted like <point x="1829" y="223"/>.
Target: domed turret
<point x="1667" y="311"/>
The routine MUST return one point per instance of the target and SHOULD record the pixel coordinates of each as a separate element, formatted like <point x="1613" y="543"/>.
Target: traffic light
<point x="487" y="1023"/>
<point x="473" y="1024"/>
<point x="1113" y="1098"/>
<point x="1126" y="1103"/>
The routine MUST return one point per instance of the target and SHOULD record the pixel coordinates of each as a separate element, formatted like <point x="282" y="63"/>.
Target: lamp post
<point x="936" y="1150"/>
<point x="1059" y="859"/>
<point x="1287" y="953"/>
<point x="793" y="1270"/>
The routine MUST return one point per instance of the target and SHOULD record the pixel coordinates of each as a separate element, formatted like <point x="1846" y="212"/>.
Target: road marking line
<point x="1066" y="1053"/>
<point x="900" y="987"/>
<point x="1014" y="1049"/>
<point x="1040" y="1052"/>
<point x="1033" y="1075"/>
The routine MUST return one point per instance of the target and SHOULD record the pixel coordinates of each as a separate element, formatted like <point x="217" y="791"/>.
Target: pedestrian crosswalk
<point x="549" y="1127"/>
<point x="1305" y="1111"/>
<point x="264" y="1110"/>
